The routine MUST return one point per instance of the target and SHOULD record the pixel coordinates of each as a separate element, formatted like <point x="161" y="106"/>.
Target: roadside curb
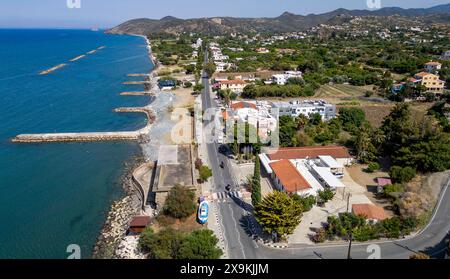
<point x="274" y="246"/>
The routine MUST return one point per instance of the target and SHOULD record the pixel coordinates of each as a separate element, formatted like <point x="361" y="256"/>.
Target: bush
<point x="368" y="94"/>
<point x="391" y="227"/>
<point x="307" y="203"/>
<point x="200" y="245"/>
<point x="320" y="236"/>
<point x="163" y="245"/>
<point x="180" y="203"/>
<point x="365" y="233"/>
<point x="390" y="190"/>
<point x="205" y="173"/>
<point x="172" y="244"/>
<point x="402" y="175"/>
<point x="373" y="167"/>
<point x="326" y="195"/>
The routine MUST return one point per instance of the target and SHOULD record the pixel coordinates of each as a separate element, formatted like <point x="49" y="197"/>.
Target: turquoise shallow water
<point x="54" y="195"/>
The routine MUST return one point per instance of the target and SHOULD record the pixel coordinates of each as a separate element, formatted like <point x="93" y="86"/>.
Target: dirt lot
<point x="368" y="180"/>
<point x="187" y="225"/>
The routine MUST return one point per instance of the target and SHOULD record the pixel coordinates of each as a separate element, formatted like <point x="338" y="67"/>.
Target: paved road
<point x="233" y="214"/>
<point x="235" y="218"/>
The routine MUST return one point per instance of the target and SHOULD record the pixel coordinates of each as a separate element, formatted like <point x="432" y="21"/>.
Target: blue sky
<point x="108" y="13"/>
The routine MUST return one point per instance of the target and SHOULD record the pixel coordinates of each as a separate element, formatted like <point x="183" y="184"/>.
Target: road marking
<point x="226" y="196"/>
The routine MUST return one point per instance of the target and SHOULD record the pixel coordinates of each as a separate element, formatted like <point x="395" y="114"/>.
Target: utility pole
<point x="349" y="255"/>
<point x="348" y="201"/>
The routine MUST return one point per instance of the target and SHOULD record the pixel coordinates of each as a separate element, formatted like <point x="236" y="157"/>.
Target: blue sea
<point x="54" y="195"/>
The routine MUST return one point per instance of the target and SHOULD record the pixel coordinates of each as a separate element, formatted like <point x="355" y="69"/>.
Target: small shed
<point x="139" y="223"/>
<point x="382" y="182"/>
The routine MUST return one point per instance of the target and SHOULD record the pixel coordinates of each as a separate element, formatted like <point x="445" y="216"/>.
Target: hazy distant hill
<point x="287" y="22"/>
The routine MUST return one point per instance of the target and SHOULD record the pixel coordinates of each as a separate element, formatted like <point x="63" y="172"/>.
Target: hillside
<point x="287" y="22"/>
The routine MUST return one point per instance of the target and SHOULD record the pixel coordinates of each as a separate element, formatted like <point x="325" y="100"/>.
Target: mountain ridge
<point x="286" y="22"/>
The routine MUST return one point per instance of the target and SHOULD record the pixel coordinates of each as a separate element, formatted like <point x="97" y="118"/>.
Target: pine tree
<point x="278" y="214"/>
<point x="256" y="183"/>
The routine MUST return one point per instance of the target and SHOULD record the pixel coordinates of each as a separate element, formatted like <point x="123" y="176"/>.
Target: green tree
<point x="163" y="245"/>
<point x="180" y="202"/>
<point x="278" y="214"/>
<point x="352" y="118"/>
<point x="210" y="68"/>
<point x="373" y="167"/>
<point x="198" y="88"/>
<point x="364" y="145"/>
<point x="402" y="175"/>
<point x="200" y="245"/>
<point x="256" y="183"/>
<point x="307" y="203"/>
<point x="326" y="195"/>
<point x="205" y="173"/>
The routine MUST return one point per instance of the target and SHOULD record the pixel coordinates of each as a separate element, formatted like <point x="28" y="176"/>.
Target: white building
<point x="306" y="108"/>
<point x="433" y="66"/>
<point x="281" y="79"/>
<point x="446" y="55"/>
<point x="255" y="115"/>
<point x="301" y="170"/>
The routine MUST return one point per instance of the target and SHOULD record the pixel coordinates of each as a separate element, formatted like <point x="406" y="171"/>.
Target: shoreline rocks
<point x="119" y="217"/>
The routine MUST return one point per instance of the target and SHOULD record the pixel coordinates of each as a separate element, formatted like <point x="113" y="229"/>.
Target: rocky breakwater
<point x="119" y="218"/>
<point x="94" y="136"/>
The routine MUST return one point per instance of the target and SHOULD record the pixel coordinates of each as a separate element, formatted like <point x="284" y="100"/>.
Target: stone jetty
<point x="140" y="75"/>
<point x="48" y="71"/>
<point x="137" y="83"/>
<point x="137" y="93"/>
<point x="93" y="136"/>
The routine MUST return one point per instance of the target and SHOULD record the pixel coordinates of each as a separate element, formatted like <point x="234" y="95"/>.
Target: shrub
<point x="391" y="227"/>
<point x="307" y="203"/>
<point x="320" y="236"/>
<point x="326" y="195"/>
<point x="402" y="175"/>
<point x="368" y="94"/>
<point x="373" y="167"/>
<point x="365" y="233"/>
<point x="180" y="202"/>
<point x="163" y="245"/>
<point x="390" y="190"/>
<point x="205" y="173"/>
<point x="200" y="245"/>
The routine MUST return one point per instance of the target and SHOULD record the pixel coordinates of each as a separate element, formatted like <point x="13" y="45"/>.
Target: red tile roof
<point x="236" y="81"/>
<point x="311" y="152"/>
<point x="289" y="176"/>
<point x="422" y="74"/>
<point x="241" y="105"/>
<point x="433" y="63"/>
<point x="140" y="221"/>
<point x="369" y="211"/>
<point x="384" y="181"/>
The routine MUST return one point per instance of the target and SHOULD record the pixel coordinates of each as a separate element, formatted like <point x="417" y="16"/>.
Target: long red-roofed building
<point x="288" y="178"/>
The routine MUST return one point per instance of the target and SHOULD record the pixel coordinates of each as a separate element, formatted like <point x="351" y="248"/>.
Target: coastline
<point x="113" y="232"/>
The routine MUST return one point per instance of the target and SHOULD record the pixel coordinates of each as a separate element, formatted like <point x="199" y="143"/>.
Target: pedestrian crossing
<point x="225" y="196"/>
